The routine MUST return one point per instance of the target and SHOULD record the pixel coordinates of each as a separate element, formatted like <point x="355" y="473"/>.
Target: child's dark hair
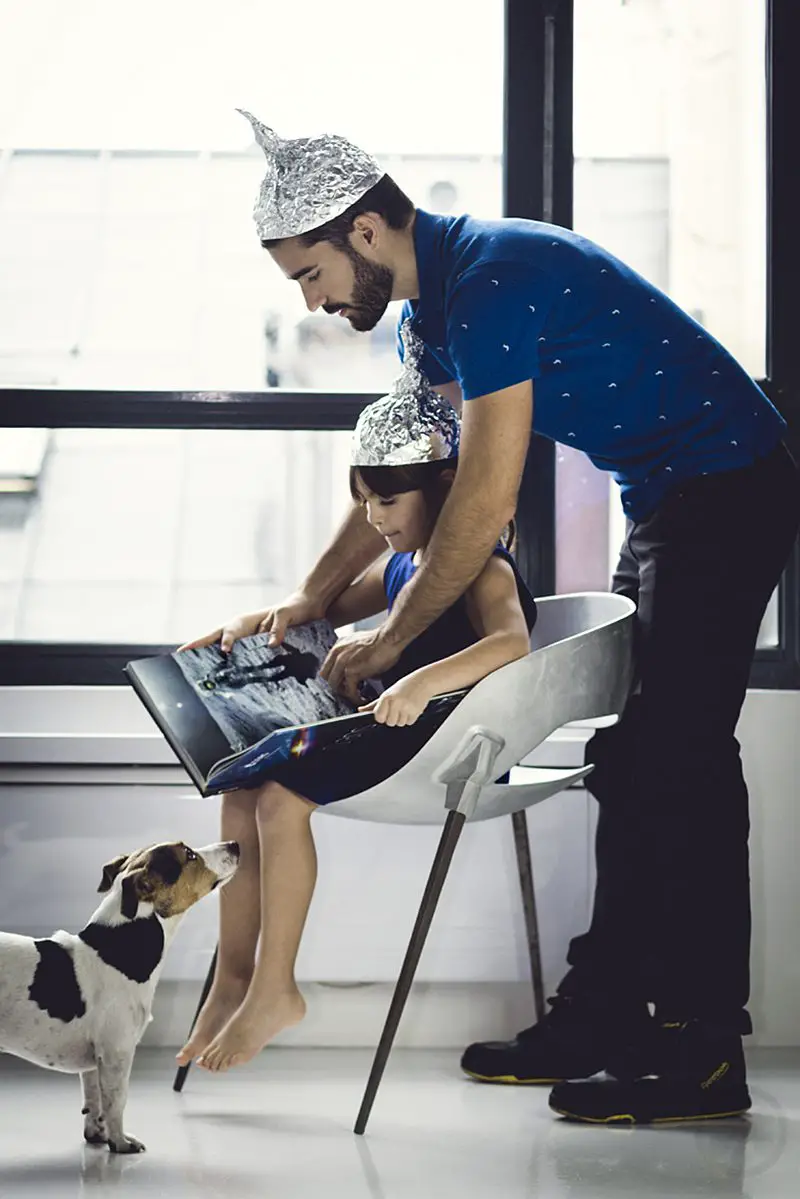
<point x="426" y="477"/>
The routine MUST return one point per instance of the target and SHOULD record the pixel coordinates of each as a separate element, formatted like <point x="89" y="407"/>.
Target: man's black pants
<point x="671" y="920"/>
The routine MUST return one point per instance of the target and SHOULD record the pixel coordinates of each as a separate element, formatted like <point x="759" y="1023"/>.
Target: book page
<point x="257" y="688"/>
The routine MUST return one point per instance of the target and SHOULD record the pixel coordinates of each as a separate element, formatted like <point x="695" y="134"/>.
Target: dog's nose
<point x="233" y="847"/>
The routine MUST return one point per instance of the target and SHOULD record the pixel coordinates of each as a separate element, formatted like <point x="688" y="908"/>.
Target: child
<point x="405" y="453"/>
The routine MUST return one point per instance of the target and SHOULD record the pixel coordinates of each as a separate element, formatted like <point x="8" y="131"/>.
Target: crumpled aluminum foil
<point x="309" y="180"/>
<point x="411" y="424"/>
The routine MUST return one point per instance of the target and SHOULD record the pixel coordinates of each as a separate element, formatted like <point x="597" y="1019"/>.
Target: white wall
<point x="56" y="832"/>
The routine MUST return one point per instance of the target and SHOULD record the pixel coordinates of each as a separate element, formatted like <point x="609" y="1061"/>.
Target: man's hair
<point x="385" y="198"/>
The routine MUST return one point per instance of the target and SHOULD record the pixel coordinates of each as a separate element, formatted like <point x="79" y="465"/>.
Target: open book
<point x="231" y="718"/>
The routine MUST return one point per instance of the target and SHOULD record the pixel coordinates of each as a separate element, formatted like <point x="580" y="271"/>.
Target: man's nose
<point x="313" y="301"/>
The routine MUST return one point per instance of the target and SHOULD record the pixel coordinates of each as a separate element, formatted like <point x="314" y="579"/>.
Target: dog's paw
<point x="94" y="1129"/>
<point x="126" y="1145"/>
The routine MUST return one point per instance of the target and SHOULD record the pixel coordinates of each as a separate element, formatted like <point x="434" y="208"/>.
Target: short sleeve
<point x="495" y="318"/>
<point x="431" y="368"/>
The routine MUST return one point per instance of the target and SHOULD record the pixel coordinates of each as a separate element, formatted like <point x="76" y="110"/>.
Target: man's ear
<point x="136" y="887"/>
<point x="111" y="870"/>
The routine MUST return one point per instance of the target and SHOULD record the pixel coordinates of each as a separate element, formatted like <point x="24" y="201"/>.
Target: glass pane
<point x="157" y="536"/>
<point x="670" y="175"/>
<point x="128" y="255"/>
<point x="670" y="147"/>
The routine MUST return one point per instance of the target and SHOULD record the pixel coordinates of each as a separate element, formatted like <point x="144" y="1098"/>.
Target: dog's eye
<point x="191" y="856"/>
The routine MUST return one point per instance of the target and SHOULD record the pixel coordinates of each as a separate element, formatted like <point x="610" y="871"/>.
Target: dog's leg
<point x="94" y="1129"/>
<point x="114" y="1070"/>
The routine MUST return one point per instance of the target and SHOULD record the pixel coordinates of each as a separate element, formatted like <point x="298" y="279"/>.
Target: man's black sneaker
<point x="574" y="1040"/>
<point x="699" y="1074"/>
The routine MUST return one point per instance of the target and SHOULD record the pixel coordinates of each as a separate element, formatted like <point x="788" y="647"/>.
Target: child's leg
<point x="239" y="922"/>
<point x="288" y="875"/>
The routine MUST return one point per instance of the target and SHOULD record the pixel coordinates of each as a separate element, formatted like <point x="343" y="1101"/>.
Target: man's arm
<point x="494" y="443"/>
<point x="355" y="546"/>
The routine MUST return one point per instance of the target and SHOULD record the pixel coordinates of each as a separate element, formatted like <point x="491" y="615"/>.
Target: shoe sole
<point x="512" y="1080"/>
<point x="629" y="1118"/>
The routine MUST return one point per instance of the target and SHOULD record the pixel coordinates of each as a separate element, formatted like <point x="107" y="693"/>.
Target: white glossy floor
<point x="282" y="1128"/>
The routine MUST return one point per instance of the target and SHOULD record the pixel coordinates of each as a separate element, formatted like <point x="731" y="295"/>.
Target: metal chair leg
<point x="180" y="1077"/>
<point x="449" y="839"/>
<point x="525" y="867"/>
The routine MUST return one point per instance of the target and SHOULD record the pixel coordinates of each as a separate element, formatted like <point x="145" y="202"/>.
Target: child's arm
<point x="494" y="608"/>
<point x="365" y="597"/>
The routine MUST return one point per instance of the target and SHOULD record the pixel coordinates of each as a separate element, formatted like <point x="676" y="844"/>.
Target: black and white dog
<point x="80" y="1003"/>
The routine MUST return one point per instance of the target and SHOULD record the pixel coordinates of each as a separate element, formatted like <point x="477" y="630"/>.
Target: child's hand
<point x="401" y="703"/>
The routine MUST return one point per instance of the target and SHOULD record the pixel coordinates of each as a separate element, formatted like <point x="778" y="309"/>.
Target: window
<point x="154" y="536"/>
<point x="670" y="175"/>
<point x="128" y="255"/>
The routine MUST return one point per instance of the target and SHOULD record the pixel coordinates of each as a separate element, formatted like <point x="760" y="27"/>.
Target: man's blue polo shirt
<point x="619" y="370"/>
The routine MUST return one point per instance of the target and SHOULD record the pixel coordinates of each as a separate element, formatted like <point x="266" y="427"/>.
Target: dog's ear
<point x="111" y="870"/>
<point x="136" y="887"/>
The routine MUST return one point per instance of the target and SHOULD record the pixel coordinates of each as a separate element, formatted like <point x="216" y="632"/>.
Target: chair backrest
<point x="580" y="667"/>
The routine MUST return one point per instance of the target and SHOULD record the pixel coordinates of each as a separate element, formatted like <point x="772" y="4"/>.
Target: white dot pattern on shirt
<point x="612" y="385"/>
<point x="617" y="426"/>
<point x="532" y="307"/>
<point x="659" y="372"/>
<point x="505" y="347"/>
<point x="566" y="395"/>
<point x="615" y="311"/>
<point x="556" y="362"/>
<point x="567" y="291"/>
<point x="495" y="282"/>
<point x="463" y="326"/>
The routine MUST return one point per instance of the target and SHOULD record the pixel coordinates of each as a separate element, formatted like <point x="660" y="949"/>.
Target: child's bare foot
<point x="223" y="1001"/>
<point x="251" y="1028"/>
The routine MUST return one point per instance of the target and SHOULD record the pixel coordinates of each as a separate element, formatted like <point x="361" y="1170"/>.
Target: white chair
<point x="580" y="668"/>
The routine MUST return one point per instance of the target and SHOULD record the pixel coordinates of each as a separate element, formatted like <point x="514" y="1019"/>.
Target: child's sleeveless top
<point x="450" y="632"/>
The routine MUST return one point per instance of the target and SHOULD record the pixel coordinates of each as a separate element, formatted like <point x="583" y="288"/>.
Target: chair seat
<point x="579" y="668"/>
<point x="425" y="804"/>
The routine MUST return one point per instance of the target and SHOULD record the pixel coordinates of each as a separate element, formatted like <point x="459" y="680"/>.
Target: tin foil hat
<point x="309" y="180"/>
<point x="411" y="424"/>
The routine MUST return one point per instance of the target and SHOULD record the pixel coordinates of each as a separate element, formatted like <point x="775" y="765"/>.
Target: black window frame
<point x="537" y="184"/>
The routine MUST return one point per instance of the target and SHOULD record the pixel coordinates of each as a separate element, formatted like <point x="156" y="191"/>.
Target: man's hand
<point x="297" y="608"/>
<point x="402" y="703"/>
<point x="356" y="657"/>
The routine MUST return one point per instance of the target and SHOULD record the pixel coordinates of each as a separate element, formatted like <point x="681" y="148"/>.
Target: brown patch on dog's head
<point x="171" y="877"/>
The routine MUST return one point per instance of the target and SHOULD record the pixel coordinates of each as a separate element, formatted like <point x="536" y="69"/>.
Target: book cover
<point x="213" y="707"/>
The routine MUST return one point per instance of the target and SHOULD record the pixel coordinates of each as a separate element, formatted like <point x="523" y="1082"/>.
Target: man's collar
<point x="429" y="232"/>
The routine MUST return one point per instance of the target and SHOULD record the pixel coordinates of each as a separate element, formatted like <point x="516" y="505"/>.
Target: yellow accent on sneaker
<point x="719" y="1073"/>
<point x="627" y="1118"/>
<point x="513" y="1080"/>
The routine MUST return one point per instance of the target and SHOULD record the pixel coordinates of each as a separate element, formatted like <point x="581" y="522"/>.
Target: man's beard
<point x="372" y="291"/>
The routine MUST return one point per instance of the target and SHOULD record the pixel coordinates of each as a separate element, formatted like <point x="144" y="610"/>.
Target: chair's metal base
<point x="441" y="863"/>
<point x="180" y="1077"/>
<point x="454" y="823"/>
<point x="525" y="867"/>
